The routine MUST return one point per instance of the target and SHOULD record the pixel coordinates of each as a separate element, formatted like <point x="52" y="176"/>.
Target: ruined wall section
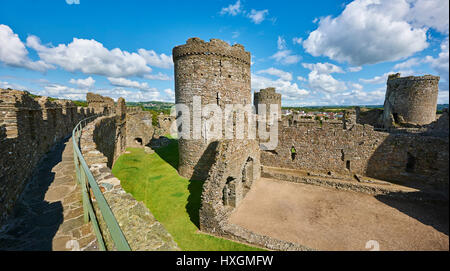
<point x="225" y="188"/>
<point x="29" y="127"/>
<point x="410" y="100"/>
<point x="110" y="135"/>
<point x="328" y="148"/>
<point x="139" y="127"/>
<point x="164" y="125"/>
<point x="219" y="74"/>
<point x="100" y="104"/>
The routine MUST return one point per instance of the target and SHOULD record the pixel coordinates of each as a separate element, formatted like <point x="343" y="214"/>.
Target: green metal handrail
<point x="86" y="180"/>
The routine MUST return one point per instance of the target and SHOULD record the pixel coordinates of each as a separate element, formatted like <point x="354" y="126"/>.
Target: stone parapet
<point x="29" y="127"/>
<point x="141" y="229"/>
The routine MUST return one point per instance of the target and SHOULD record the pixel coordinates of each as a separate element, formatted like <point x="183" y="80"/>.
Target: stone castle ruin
<point x="400" y="151"/>
<point x="402" y="144"/>
<point x="410" y="100"/>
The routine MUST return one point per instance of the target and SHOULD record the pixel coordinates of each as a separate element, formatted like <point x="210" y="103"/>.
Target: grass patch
<point x="173" y="200"/>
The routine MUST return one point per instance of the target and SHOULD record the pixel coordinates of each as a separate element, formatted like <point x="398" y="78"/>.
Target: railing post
<point x="85" y="194"/>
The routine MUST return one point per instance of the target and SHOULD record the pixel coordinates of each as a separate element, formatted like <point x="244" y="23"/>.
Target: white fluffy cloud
<point x="323" y="67"/>
<point x="289" y="91"/>
<point x="441" y="63"/>
<point x="286" y="57"/>
<point x="443" y="97"/>
<point x="232" y="9"/>
<point x="132" y="95"/>
<point x="430" y="13"/>
<point x="123" y="82"/>
<point x="382" y="79"/>
<point x="170" y="94"/>
<point x="276" y="72"/>
<point x="64" y="92"/>
<point x="83" y="83"/>
<point x="355" y="69"/>
<point x="320" y="78"/>
<point x="155" y="60"/>
<point x="408" y="63"/>
<point x="325" y="82"/>
<point x="14" y="53"/>
<point x="281" y="43"/>
<point x="296" y="40"/>
<point x="6" y="85"/>
<point x="301" y="78"/>
<point x="158" y="76"/>
<point x="368" y="32"/>
<point x="258" y="16"/>
<point x="356" y="97"/>
<point x="91" y="57"/>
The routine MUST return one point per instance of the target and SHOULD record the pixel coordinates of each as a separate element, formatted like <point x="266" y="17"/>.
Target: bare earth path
<point x="49" y="215"/>
<point x="327" y="219"/>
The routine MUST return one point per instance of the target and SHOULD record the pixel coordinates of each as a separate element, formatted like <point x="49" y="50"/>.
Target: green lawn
<point x="173" y="200"/>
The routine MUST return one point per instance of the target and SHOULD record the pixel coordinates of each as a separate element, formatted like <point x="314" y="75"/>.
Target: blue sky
<point x="314" y="52"/>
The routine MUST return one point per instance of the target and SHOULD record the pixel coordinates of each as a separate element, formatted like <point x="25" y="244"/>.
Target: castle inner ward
<point x="328" y="185"/>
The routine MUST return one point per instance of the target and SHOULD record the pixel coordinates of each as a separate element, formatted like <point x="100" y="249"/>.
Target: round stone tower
<point x="217" y="73"/>
<point x="267" y="96"/>
<point x="410" y="100"/>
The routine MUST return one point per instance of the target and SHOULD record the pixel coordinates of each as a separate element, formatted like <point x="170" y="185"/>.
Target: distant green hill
<point x="340" y="108"/>
<point x="153" y="105"/>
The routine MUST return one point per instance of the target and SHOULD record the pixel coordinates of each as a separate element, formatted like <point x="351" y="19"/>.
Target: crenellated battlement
<point x="29" y="128"/>
<point x="215" y="47"/>
<point x="397" y="78"/>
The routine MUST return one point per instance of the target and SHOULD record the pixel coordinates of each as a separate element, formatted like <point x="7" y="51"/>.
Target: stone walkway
<point x="49" y="215"/>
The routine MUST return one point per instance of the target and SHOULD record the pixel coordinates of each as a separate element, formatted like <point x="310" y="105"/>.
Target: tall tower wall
<point x="219" y="74"/>
<point x="267" y="96"/>
<point x="410" y="100"/>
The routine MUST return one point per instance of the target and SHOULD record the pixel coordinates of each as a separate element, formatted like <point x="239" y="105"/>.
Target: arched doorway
<point x="138" y="141"/>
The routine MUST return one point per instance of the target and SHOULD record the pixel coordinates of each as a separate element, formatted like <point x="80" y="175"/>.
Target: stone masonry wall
<point x="29" y="127"/>
<point x="226" y="186"/>
<point x="402" y="157"/>
<point x="139" y="127"/>
<point x="141" y="229"/>
<point x="410" y="100"/>
<point x="218" y="73"/>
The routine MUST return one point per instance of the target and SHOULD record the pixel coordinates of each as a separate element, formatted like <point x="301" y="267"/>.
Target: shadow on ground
<point x="432" y="213"/>
<point x="170" y="155"/>
<point x="34" y="221"/>
<point x="167" y="153"/>
<point x="194" y="201"/>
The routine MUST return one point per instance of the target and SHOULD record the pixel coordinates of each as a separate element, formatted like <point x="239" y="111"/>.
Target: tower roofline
<point x="196" y="46"/>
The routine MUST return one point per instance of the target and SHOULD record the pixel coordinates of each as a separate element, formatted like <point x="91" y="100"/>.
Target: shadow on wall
<point x="433" y="214"/>
<point x="34" y="221"/>
<point x="415" y="161"/>
<point x="418" y="162"/>
<point x="205" y="162"/>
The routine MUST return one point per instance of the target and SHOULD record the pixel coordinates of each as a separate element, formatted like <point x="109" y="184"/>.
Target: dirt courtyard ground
<point x="327" y="219"/>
